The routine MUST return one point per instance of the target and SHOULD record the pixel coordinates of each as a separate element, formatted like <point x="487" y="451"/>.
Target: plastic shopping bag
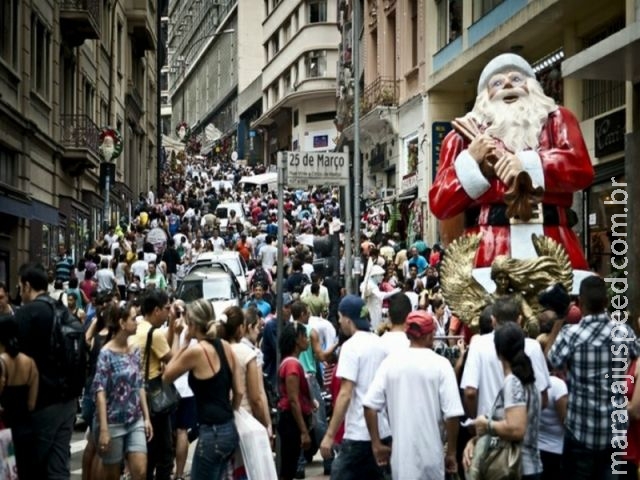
<point x="255" y="447"/>
<point x="8" y="469"/>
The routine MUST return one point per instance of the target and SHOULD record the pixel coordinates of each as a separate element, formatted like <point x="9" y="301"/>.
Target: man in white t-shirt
<point x="217" y="241"/>
<point x="140" y="267"/>
<point x="268" y="254"/>
<point x="396" y="339"/>
<point x="418" y="390"/>
<point x="360" y="358"/>
<point x="326" y="331"/>
<point x="483" y="375"/>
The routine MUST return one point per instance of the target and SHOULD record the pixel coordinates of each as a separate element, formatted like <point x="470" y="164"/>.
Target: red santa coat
<point x="560" y="164"/>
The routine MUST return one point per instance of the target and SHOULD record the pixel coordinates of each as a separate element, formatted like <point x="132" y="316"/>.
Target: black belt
<point x="497" y="216"/>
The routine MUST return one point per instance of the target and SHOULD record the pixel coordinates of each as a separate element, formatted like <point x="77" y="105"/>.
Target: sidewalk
<point x="314" y="469"/>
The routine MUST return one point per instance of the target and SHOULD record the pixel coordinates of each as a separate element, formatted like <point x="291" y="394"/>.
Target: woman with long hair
<point x="123" y="425"/>
<point x="18" y="397"/>
<point x="232" y="328"/>
<point x="213" y="376"/>
<point x="516" y="411"/>
<point x="295" y="403"/>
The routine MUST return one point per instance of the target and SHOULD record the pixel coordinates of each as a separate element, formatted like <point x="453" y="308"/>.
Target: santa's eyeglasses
<point x="515" y="79"/>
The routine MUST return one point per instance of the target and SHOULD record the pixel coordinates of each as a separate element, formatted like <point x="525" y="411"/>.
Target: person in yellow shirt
<point x="156" y="310"/>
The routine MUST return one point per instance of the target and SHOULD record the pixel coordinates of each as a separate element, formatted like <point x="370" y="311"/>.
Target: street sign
<point x="315" y="168"/>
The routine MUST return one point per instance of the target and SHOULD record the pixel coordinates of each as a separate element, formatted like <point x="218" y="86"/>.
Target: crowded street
<point x="332" y="240"/>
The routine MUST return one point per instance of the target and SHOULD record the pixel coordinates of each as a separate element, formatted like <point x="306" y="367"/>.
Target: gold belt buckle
<point x="536" y="219"/>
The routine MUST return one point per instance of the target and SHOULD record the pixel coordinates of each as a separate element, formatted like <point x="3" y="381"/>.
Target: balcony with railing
<point x="79" y="20"/>
<point x="382" y="92"/>
<point x="141" y="24"/>
<point x="80" y="138"/>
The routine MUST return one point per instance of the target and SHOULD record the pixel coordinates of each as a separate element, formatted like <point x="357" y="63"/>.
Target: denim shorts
<point x="124" y="440"/>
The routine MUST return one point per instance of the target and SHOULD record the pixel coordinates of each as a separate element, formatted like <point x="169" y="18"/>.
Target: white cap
<point x="502" y="63"/>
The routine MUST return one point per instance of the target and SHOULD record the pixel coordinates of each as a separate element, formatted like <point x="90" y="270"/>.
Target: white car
<point x="213" y="284"/>
<point x="231" y="259"/>
<point x="222" y="214"/>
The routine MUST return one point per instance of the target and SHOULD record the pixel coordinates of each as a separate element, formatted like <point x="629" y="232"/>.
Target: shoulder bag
<point x="162" y="397"/>
<point x="498" y="459"/>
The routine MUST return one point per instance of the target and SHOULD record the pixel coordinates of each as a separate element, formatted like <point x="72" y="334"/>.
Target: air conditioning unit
<point x="387" y="193"/>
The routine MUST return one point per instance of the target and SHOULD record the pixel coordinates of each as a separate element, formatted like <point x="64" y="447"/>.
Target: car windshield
<point x="211" y="289"/>
<point x="234" y="265"/>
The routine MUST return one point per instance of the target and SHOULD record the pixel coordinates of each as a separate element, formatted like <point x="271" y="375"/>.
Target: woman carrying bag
<point x="213" y="376"/>
<point x="506" y="445"/>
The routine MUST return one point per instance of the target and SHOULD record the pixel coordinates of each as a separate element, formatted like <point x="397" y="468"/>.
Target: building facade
<point x="214" y="55"/>
<point x="582" y="54"/>
<point x="300" y="55"/>
<point x="67" y="69"/>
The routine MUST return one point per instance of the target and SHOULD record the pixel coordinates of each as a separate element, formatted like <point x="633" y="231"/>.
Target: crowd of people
<point x="388" y="382"/>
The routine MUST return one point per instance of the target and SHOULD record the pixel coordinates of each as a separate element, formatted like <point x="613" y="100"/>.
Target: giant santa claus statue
<point x="513" y="132"/>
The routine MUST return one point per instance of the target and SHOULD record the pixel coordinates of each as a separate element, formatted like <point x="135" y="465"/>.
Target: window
<point x="164" y="81"/>
<point x="317" y="11"/>
<point x="449" y="21"/>
<point x="321" y="117"/>
<point x="105" y="36"/>
<point x="412" y="155"/>
<point x="482" y="7"/>
<point x="89" y="94"/>
<point x="286" y="81"/>
<point x="295" y="118"/>
<point x="40" y="57"/>
<point x="9" y="32"/>
<point x="8" y="167"/>
<point x="413" y="9"/>
<point x="316" y="63"/>
<point x="104" y="113"/>
<point x="275" y="44"/>
<point x="286" y="31"/>
<point x="119" y="53"/>
<point x="600" y="96"/>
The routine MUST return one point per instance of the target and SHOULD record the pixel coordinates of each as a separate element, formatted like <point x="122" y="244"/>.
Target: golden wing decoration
<point x="464" y="295"/>
<point x="548" y="247"/>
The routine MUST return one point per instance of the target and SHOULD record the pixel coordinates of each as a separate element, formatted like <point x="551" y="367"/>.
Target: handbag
<point x="161" y="397"/>
<point x="255" y="447"/>
<point x="495" y="458"/>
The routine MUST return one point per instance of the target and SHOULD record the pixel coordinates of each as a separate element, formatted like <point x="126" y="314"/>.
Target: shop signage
<point x="408" y="182"/>
<point x="609" y="133"/>
<point x="316" y="168"/>
<point x="439" y="130"/>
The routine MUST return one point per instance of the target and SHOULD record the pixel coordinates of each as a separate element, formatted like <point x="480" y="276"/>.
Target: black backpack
<point x="68" y="351"/>
<point x="260" y="276"/>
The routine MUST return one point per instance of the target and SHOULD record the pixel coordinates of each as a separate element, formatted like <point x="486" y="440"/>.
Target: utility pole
<point x="356" y="143"/>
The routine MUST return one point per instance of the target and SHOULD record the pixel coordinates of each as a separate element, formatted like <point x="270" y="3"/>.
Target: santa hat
<point x="502" y="63"/>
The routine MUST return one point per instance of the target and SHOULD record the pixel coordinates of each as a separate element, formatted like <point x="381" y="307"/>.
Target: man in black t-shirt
<point x="54" y="415"/>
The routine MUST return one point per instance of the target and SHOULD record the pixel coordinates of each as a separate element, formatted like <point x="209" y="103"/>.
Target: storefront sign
<point x="609" y="133"/>
<point x="408" y="182"/>
<point x="439" y="130"/>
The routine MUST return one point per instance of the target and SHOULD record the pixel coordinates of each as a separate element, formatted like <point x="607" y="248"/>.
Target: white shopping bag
<point x="255" y="447"/>
<point x="8" y="469"/>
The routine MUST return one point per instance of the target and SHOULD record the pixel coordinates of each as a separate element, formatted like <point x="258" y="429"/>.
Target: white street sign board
<point x="316" y="168"/>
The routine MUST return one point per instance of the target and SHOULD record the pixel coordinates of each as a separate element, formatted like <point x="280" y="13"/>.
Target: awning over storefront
<point x="43" y="212"/>
<point x="614" y="58"/>
<point x="14" y="207"/>
<point x="410" y="194"/>
<point x="29" y="209"/>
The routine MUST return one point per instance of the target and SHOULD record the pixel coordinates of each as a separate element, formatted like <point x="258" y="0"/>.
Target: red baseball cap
<point x="419" y="323"/>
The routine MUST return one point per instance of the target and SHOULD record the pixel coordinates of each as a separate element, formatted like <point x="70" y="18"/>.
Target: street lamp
<point x="110" y="148"/>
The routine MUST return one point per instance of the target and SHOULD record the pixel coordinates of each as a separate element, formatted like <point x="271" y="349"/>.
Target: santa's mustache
<point x="509" y="92"/>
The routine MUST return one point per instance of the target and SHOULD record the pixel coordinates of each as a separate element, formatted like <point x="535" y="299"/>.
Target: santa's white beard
<point x="517" y="124"/>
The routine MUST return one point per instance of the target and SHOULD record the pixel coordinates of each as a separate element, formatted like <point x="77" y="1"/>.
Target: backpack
<point x="260" y="276"/>
<point x="68" y="351"/>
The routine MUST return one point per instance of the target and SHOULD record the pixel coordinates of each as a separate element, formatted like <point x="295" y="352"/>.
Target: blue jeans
<point x="355" y="461"/>
<point x="216" y="445"/>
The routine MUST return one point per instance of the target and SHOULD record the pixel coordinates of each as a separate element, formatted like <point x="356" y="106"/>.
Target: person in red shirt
<point x="243" y="247"/>
<point x="295" y="403"/>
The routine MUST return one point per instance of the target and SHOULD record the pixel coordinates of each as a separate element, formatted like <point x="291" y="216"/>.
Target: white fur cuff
<point x="533" y="166"/>
<point x="470" y="176"/>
